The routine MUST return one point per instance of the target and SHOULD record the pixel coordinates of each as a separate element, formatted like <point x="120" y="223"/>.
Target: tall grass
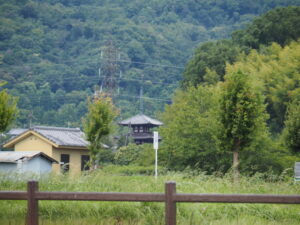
<point x="112" y="179"/>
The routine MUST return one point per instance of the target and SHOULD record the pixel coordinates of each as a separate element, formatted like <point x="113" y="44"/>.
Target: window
<point x="65" y="162"/>
<point x="135" y="129"/>
<point x="141" y="129"/>
<point x="84" y="162"/>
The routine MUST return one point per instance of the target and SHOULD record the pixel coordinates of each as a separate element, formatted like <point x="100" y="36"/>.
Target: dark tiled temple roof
<point x="139" y="120"/>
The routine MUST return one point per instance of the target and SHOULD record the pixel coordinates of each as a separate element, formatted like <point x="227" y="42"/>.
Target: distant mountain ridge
<point x="50" y="50"/>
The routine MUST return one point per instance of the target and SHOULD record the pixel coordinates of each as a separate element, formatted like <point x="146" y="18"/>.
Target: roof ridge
<point x="139" y="118"/>
<point x="55" y="128"/>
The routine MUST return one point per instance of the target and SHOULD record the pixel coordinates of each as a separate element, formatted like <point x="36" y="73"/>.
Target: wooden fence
<point x="170" y="197"/>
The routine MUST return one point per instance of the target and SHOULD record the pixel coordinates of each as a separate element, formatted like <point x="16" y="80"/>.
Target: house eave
<point x="11" y="143"/>
<point x="71" y="147"/>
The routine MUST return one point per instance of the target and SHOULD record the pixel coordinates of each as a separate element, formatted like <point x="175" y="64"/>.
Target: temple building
<point x="140" y="128"/>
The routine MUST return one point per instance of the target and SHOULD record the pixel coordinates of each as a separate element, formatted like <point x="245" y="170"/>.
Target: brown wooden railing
<point x="170" y="197"/>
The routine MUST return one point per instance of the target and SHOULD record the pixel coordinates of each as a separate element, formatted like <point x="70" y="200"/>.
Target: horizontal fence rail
<point x="98" y="196"/>
<point x="13" y="195"/>
<point x="238" y="198"/>
<point x="170" y="197"/>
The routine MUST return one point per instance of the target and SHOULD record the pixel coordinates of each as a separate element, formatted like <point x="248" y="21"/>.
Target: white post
<point x="155" y="145"/>
<point x="156" y="163"/>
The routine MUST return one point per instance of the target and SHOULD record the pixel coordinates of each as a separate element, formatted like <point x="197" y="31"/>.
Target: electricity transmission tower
<point x="109" y="69"/>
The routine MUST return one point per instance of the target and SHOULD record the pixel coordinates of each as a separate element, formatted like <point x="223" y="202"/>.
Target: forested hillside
<point x="50" y="50"/>
<point x="239" y="97"/>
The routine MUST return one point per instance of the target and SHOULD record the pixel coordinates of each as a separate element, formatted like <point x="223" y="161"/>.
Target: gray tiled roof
<point x="16" y="131"/>
<point x="139" y="120"/>
<point x="62" y="136"/>
<point x="13" y="157"/>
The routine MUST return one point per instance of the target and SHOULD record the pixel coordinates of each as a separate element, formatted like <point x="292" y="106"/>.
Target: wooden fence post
<point x="32" y="203"/>
<point x="170" y="213"/>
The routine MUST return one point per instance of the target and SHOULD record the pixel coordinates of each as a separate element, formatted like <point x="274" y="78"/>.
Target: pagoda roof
<point x="140" y="119"/>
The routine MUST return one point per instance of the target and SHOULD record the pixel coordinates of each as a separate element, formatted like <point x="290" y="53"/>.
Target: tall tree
<point x="98" y="123"/>
<point x="191" y="130"/>
<point x="8" y="109"/>
<point x="242" y="115"/>
<point x="291" y="131"/>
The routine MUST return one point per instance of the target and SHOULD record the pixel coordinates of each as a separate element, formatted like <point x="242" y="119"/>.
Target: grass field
<point x="112" y="179"/>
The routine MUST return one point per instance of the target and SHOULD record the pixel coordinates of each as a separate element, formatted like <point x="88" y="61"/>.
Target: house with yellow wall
<point x="66" y="145"/>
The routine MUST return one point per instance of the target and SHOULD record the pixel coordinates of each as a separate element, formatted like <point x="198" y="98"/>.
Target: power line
<point x="147" y="98"/>
<point x="96" y="78"/>
<point x="149" y="64"/>
<point x="130" y="62"/>
<point x="70" y="97"/>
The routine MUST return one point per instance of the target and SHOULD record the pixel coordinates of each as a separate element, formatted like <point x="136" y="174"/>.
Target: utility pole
<point x="141" y="96"/>
<point x="30" y="117"/>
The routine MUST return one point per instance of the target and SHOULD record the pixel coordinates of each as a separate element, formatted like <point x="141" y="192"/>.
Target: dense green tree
<point x="280" y="25"/>
<point x="8" y="109"/>
<point x="98" y="123"/>
<point x="278" y="69"/>
<point x="242" y="115"/>
<point x="209" y="56"/>
<point x="291" y="132"/>
<point x="191" y="131"/>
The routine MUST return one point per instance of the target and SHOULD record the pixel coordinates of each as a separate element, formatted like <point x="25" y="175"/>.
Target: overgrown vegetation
<point x="112" y="179"/>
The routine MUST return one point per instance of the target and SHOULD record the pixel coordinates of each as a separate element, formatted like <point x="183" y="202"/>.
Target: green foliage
<point x="58" y="42"/>
<point x="278" y="69"/>
<point x="292" y="127"/>
<point x="141" y="155"/>
<point x="127" y="154"/>
<point x="242" y="117"/>
<point x="97" y="123"/>
<point x="191" y="130"/>
<point x="8" y="109"/>
<point x="273" y="72"/>
<point x="280" y="25"/>
<point x="209" y="57"/>
<point x="50" y="51"/>
<point x="242" y="112"/>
